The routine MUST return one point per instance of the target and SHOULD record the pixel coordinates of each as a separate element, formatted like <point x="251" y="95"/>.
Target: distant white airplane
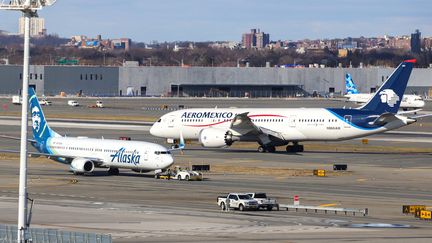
<point x="83" y="154"/>
<point x="409" y="101"/>
<point x="221" y="127"/>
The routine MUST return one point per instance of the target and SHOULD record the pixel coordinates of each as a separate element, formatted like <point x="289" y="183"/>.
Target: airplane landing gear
<point x="296" y="148"/>
<point x="264" y="149"/>
<point x="113" y="171"/>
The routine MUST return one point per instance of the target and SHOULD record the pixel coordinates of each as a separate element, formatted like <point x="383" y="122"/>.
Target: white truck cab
<point x="240" y="201"/>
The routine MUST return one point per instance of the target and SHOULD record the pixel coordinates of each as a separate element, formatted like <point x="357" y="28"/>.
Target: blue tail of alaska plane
<point x="389" y="97"/>
<point x="349" y="84"/>
<point x="41" y="131"/>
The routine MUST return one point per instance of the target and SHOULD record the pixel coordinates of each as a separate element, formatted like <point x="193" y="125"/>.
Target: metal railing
<point x="8" y="234"/>
<point x="315" y="209"/>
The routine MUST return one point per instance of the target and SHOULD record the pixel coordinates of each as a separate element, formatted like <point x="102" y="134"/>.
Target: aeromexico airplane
<point x="409" y="101"/>
<point x="220" y="127"/>
<point x="84" y="154"/>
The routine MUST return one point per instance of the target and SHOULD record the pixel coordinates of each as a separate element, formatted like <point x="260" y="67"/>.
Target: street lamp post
<point x="29" y="9"/>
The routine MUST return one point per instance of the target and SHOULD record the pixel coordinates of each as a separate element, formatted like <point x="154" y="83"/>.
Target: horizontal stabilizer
<point x="384" y="119"/>
<point x="420" y="116"/>
<point x="408" y="112"/>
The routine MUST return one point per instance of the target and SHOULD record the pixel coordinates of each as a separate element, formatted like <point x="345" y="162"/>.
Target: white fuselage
<point x="293" y="124"/>
<point x="408" y="101"/>
<point x="113" y="153"/>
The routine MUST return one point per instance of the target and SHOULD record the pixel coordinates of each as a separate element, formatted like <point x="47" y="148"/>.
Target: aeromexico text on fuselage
<point x="208" y="114"/>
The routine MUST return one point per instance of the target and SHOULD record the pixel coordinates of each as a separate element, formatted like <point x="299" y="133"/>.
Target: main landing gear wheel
<point x="113" y="171"/>
<point x="270" y="149"/>
<point x="294" y="148"/>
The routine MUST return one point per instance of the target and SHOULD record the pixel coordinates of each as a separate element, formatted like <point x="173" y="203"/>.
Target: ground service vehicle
<point x="240" y="201"/>
<point x="45" y="102"/>
<point x="264" y="201"/>
<point x="73" y="103"/>
<point x="16" y="100"/>
<point x="99" y="104"/>
<point x="188" y="175"/>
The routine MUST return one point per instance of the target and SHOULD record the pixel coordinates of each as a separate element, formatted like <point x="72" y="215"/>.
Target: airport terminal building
<point x="202" y="81"/>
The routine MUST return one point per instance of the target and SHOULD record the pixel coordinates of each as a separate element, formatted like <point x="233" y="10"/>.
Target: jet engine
<point x="215" y="138"/>
<point x="80" y="165"/>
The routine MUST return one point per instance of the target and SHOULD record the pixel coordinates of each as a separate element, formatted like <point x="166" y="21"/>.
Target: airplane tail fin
<point x="41" y="131"/>
<point x="389" y="96"/>
<point x="349" y="84"/>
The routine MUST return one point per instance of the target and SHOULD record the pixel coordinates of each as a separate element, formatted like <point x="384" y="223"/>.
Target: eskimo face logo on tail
<point x="36" y="119"/>
<point x="389" y="96"/>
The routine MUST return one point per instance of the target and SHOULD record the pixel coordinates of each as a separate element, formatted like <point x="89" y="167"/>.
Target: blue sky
<point x="201" y="20"/>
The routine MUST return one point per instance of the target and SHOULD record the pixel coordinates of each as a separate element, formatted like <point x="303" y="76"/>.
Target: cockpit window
<point x="162" y="152"/>
<point x="159" y="120"/>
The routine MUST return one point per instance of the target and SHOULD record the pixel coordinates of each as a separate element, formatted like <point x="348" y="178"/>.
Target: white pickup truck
<point x="240" y="201"/>
<point x="264" y="201"/>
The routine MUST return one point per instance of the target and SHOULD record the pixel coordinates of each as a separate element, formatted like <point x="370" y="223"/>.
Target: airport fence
<point x="8" y="234"/>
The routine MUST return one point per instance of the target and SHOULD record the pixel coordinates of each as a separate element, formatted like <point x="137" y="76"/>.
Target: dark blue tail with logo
<point x="389" y="97"/>
<point x="41" y="131"/>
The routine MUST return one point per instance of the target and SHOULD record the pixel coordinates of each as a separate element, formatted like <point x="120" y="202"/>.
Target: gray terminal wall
<point x="156" y="81"/>
<point x="91" y="81"/>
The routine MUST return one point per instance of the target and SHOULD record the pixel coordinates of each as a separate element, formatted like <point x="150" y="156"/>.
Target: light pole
<point x="29" y="9"/>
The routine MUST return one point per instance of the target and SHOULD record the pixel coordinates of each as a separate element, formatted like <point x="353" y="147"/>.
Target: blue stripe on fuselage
<point x="360" y="119"/>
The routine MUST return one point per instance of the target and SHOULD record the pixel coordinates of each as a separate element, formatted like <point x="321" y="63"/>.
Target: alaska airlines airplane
<point x="408" y="101"/>
<point x="84" y="154"/>
<point x="220" y="127"/>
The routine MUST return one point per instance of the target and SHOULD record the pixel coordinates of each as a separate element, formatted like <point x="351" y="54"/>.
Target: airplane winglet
<point x="411" y="60"/>
<point x="179" y="146"/>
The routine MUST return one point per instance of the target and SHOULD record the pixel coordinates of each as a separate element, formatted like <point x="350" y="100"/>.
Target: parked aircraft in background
<point x="221" y="127"/>
<point x="83" y="154"/>
<point x="408" y="101"/>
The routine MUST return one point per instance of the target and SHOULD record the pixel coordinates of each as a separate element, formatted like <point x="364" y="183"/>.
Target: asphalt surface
<point x="385" y="174"/>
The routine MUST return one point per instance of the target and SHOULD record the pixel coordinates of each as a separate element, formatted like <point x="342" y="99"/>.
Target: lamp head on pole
<point x="25" y="5"/>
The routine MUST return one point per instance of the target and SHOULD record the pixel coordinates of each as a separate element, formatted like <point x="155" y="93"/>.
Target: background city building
<point x="37" y="26"/>
<point x="255" y="39"/>
<point x="416" y="42"/>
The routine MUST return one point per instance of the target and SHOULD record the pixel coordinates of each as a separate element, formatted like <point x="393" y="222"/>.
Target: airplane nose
<point x="153" y="130"/>
<point x="168" y="161"/>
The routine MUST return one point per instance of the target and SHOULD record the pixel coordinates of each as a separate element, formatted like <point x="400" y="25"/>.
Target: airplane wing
<point x="66" y="159"/>
<point x="242" y="125"/>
